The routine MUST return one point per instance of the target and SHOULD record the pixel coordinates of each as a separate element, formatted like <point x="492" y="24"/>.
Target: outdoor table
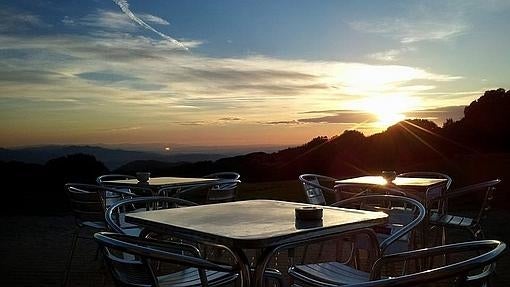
<point x="264" y="225"/>
<point x="425" y="189"/>
<point x="156" y="184"/>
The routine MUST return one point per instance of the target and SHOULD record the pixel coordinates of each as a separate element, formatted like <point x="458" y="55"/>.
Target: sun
<point x="388" y="109"/>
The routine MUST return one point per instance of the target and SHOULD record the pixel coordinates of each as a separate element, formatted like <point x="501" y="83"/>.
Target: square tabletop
<point x="404" y="182"/>
<point x="253" y="223"/>
<point x="159" y="182"/>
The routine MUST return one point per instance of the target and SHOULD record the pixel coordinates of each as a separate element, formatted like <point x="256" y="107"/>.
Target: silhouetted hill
<point x="417" y="144"/>
<point x="112" y="158"/>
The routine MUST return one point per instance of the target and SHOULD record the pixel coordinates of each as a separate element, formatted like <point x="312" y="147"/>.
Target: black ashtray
<point x="308" y="213"/>
<point x="305" y="224"/>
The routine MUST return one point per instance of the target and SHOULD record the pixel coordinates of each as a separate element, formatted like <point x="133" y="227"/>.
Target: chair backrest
<point x="428" y="174"/>
<point x="113" y="197"/>
<point x="487" y="188"/>
<point x="87" y="202"/>
<point x="107" y="177"/>
<point x="224" y="175"/>
<point x="115" y="215"/>
<point x="433" y="193"/>
<point x="314" y="190"/>
<point x="468" y="257"/>
<point x="348" y="190"/>
<point x="404" y="214"/>
<point x="225" y="190"/>
<point x="137" y="270"/>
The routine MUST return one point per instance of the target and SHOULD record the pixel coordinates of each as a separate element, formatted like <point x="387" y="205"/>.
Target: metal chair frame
<point x="459" y="270"/>
<point x="147" y="251"/>
<point x="472" y="224"/>
<point x="314" y="191"/>
<point x="224" y="190"/>
<point x="88" y="203"/>
<point x="113" y="215"/>
<point x="383" y="202"/>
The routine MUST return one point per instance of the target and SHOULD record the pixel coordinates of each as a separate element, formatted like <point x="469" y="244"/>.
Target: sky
<point x="224" y="73"/>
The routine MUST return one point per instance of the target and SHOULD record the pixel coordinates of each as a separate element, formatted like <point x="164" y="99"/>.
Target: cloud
<point x="343" y="117"/>
<point x="105" y="77"/>
<point x="124" y="6"/>
<point x="230" y="119"/>
<point x="67" y="21"/>
<point x="437" y="115"/>
<point x="30" y="76"/>
<point x="154" y="19"/>
<point x="135" y="75"/>
<point x="108" y="20"/>
<point x="407" y="31"/>
<point x="291" y="122"/>
<point x="390" y="55"/>
<point x="13" y="21"/>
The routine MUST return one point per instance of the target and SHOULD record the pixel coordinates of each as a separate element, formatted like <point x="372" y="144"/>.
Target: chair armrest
<point x="497" y="246"/>
<point x="160" y="250"/>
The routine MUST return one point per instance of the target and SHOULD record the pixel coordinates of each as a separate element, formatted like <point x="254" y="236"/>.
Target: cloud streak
<point x="408" y="32"/>
<point x="124" y="6"/>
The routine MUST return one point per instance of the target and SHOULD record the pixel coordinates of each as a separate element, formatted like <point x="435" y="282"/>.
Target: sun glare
<point x="388" y="109"/>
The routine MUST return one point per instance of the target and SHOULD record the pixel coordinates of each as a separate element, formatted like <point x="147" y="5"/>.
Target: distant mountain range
<point x="112" y="158"/>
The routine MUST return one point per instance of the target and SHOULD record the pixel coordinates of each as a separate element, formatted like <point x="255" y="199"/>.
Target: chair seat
<point x="329" y="272"/>
<point x="190" y="277"/>
<point x="94" y="224"/>
<point x="450" y="220"/>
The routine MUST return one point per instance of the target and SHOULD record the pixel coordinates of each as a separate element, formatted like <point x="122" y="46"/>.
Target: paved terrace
<point x="33" y="251"/>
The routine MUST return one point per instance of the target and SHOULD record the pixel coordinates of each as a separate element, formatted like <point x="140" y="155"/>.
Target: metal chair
<point x="188" y="268"/>
<point x="428" y="174"/>
<point x="474" y="265"/>
<point x="225" y="190"/>
<point x="115" y="215"/>
<point x="88" y="204"/>
<point x="471" y="224"/>
<point x="431" y="195"/>
<point x="107" y="177"/>
<point x="348" y="190"/>
<point x="404" y="215"/>
<point x="315" y="185"/>
<point x="112" y="198"/>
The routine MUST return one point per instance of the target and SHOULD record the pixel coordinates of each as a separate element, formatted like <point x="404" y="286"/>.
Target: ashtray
<point x="306" y="224"/>
<point x="308" y="213"/>
<point x="143" y="177"/>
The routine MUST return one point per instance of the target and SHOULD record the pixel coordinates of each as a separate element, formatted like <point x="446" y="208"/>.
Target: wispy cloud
<point x="14" y="20"/>
<point x="124" y="6"/>
<point x="391" y="55"/>
<point x="108" y="20"/>
<point x="142" y="81"/>
<point x="230" y="119"/>
<point x="407" y="31"/>
<point x="437" y="115"/>
<point x="154" y="19"/>
<point x="343" y="117"/>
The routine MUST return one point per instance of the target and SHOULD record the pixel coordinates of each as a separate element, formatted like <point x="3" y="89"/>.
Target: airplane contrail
<point x="124" y="6"/>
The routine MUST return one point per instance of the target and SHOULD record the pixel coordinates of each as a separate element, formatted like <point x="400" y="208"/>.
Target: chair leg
<point x="70" y="258"/>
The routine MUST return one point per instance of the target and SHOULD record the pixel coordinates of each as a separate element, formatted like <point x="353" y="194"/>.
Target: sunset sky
<point x="240" y="72"/>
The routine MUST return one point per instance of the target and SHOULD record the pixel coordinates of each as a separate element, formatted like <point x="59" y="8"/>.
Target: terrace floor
<point x="33" y="249"/>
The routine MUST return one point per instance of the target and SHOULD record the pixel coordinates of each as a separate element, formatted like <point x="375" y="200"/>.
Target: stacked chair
<point x="88" y="204"/>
